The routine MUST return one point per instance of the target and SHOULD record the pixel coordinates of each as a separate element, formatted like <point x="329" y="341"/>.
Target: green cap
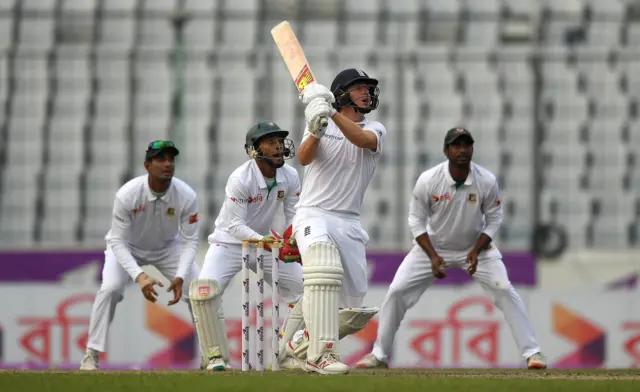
<point x="262" y="129"/>
<point x="454" y="133"/>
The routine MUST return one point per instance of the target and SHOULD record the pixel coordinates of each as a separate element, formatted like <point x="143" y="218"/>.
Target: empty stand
<point x="549" y="89"/>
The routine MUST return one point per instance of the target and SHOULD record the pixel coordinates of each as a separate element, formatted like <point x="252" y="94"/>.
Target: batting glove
<point x="315" y="111"/>
<point x="316" y="90"/>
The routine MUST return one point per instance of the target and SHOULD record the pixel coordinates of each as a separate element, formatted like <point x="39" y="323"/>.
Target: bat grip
<point x="324" y="122"/>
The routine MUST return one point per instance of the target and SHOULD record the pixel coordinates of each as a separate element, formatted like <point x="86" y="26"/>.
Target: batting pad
<point x="295" y="322"/>
<point x="209" y="323"/>
<point x="353" y="320"/>
<point x="322" y="273"/>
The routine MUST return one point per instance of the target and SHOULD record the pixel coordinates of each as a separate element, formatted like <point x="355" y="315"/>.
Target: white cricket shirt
<point x="454" y="217"/>
<point x="250" y="206"/>
<point x="339" y="174"/>
<point x="145" y="229"/>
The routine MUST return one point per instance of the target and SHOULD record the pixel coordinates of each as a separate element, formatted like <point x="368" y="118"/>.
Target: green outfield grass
<point x="395" y="380"/>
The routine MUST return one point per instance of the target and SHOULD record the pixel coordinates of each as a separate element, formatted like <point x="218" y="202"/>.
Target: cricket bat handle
<point x="324" y="122"/>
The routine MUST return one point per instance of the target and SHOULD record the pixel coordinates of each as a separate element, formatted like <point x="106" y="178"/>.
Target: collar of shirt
<point x="258" y="174"/>
<point x="451" y="182"/>
<point x="151" y="197"/>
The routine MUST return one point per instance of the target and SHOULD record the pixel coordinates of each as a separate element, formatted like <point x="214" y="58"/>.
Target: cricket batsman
<point x="155" y="222"/>
<point x="339" y="163"/>
<point x="254" y="193"/>
<point x="454" y="215"/>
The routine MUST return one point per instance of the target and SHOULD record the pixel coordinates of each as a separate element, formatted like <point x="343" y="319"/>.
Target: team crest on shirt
<point x="280" y="195"/>
<point x="472" y="198"/>
<point x="171" y="211"/>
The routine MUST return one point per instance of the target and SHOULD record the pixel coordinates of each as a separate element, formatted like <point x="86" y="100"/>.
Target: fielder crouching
<point x="155" y="222"/>
<point x="454" y="214"/>
<point x="254" y="193"/>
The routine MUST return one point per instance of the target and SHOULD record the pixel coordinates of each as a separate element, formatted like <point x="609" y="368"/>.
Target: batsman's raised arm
<point x="117" y="237"/>
<point x="189" y="233"/>
<point x="362" y="138"/>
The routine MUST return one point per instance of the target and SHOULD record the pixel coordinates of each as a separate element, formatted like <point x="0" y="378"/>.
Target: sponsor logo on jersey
<point x="250" y="200"/>
<point x="138" y="210"/>
<point x="443" y="197"/>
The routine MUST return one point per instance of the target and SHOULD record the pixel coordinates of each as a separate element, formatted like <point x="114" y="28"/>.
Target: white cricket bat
<point x="294" y="58"/>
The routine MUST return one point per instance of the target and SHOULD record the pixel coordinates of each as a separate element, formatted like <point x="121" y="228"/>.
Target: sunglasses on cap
<point x="160" y="145"/>
<point x="157" y="147"/>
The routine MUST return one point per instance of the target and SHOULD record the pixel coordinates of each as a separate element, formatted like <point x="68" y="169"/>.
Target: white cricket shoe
<point x="370" y="361"/>
<point x="216" y="364"/>
<point x="537" y="361"/>
<point x="91" y="360"/>
<point x="327" y="363"/>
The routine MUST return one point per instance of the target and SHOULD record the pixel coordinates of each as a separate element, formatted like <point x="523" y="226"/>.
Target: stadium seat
<point x="6" y="26"/>
<point x="200" y="30"/>
<point x="442" y="23"/>
<point x="606" y="22"/>
<point x="570" y="209"/>
<point x="18" y="210"/>
<point x="239" y="24"/>
<point x="401" y="30"/>
<point x="61" y="205"/>
<point x="116" y="30"/>
<point x="37" y="32"/>
<point x="318" y="33"/>
<point x="102" y="183"/>
<point x="612" y="219"/>
<point x="361" y="27"/>
<point x="66" y="142"/>
<point x="563" y="18"/>
<point x="482" y="28"/>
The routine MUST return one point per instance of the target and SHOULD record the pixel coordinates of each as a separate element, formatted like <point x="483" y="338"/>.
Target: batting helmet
<point x="263" y="129"/>
<point x="346" y="79"/>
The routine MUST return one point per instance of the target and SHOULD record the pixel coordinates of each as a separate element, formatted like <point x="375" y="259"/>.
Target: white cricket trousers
<point x="414" y="276"/>
<point x="114" y="281"/>
<point x="346" y="234"/>
<point x="223" y="261"/>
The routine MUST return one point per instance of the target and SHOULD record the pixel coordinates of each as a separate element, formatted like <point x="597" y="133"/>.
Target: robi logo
<point x="446" y="196"/>
<point x="255" y="199"/>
